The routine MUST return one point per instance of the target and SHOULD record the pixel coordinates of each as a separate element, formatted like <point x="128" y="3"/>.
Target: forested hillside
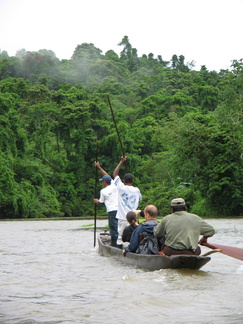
<point x="181" y="130"/>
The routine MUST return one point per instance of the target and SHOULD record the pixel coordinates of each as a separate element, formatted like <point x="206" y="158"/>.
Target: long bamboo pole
<point x="95" y="192"/>
<point x="118" y="135"/>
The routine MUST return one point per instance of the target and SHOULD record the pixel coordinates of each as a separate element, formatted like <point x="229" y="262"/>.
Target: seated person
<point x="182" y="230"/>
<point x="133" y="221"/>
<point x="150" y="214"/>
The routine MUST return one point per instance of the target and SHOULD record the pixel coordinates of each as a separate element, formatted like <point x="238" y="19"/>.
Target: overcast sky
<point x="208" y="32"/>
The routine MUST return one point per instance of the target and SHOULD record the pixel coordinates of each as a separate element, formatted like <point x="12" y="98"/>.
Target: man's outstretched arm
<point x="117" y="169"/>
<point x="97" y="164"/>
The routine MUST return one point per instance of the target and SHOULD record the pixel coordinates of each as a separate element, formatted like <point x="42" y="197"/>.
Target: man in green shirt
<point x="182" y="230"/>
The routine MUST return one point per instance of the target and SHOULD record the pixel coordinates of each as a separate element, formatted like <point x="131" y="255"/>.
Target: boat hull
<point x="151" y="262"/>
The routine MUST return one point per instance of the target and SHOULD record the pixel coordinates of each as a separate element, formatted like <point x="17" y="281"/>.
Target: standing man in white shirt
<point x="128" y="198"/>
<point x="109" y="197"/>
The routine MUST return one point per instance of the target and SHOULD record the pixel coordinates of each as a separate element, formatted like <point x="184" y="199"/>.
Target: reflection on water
<point x="51" y="273"/>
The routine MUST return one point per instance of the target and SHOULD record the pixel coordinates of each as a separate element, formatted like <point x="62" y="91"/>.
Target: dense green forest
<point x="181" y="130"/>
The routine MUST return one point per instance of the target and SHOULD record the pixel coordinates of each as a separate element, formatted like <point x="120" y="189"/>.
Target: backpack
<point x="148" y="245"/>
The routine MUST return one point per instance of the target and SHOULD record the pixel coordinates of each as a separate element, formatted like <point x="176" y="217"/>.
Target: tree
<point x="111" y="55"/>
<point x="174" y="61"/>
<point x="83" y="57"/>
<point x="9" y="67"/>
<point x="128" y="55"/>
<point x="41" y="63"/>
<point x="86" y="52"/>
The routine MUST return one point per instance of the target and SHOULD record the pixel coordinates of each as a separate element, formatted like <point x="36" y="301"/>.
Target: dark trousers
<point x="113" y="224"/>
<point x="170" y="251"/>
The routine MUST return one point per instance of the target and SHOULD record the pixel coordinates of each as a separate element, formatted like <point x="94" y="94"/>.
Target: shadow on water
<point x="190" y="273"/>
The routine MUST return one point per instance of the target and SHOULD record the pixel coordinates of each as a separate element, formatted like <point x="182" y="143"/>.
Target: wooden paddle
<point x="233" y="252"/>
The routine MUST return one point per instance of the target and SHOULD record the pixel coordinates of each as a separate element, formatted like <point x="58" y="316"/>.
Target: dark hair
<point x="142" y="213"/>
<point x="128" y="178"/>
<point x="178" y="208"/>
<point x="131" y="216"/>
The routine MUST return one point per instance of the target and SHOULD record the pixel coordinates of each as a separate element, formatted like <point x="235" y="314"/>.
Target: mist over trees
<point x="181" y="130"/>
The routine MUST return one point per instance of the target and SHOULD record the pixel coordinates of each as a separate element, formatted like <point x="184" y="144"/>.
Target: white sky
<point x="206" y="31"/>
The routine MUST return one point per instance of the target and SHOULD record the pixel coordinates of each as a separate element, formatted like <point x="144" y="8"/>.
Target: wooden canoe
<point x="151" y="262"/>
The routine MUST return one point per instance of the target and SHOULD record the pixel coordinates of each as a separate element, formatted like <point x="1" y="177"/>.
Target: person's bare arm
<point x="117" y="169"/>
<point x="97" y="164"/>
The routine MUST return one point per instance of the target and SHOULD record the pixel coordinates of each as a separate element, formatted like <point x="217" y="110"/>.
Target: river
<point x="50" y="273"/>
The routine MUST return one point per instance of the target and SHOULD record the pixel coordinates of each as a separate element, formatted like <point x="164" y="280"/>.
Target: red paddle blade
<point x="234" y="252"/>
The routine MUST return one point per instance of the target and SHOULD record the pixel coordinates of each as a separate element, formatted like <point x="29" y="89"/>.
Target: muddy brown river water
<point x="50" y="273"/>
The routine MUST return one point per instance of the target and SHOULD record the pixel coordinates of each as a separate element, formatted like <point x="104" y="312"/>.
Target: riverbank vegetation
<point x="181" y="130"/>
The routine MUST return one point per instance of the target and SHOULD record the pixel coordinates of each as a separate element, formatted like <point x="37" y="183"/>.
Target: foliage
<point x="181" y="129"/>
